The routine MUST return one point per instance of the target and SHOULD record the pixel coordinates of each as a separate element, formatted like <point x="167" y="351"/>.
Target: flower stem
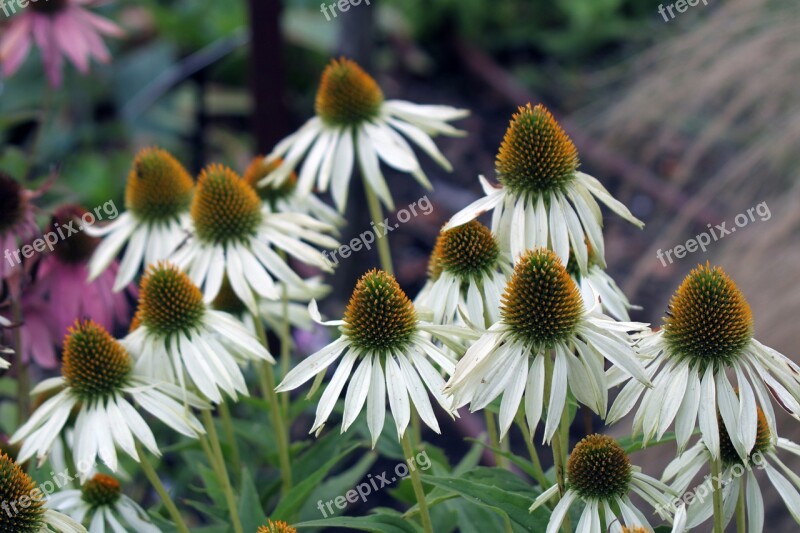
<point x="376" y="213"/>
<point x="23" y="380"/>
<point x="419" y="492"/>
<point x="267" y="380"/>
<point x="741" y="525"/>
<point x="268" y="389"/>
<point x="166" y="499"/>
<point x="494" y="441"/>
<point x="230" y="435"/>
<point x="222" y="470"/>
<point x="537" y="465"/>
<point x="716" y="470"/>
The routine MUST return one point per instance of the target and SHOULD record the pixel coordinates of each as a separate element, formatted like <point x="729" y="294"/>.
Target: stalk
<point x="716" y="469"/>
<point x="166" y="499"/>
<point x="419" y="492"/>
<point x="222" y="470"/>
<point x="375" y="211"/>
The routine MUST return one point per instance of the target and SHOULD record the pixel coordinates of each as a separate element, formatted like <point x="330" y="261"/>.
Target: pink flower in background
<point x="60" y="28"/>
<point x="17" y="223"/>
<point x="62" y="277"/>
<point x="38" y="344"/>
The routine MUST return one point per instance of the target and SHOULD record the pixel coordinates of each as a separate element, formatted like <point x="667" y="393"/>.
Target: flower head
<point x="179" y="337"/>
<point x="16" y="486"/>
<point x="379" y="317"/>
<point x="225" y="209"/>
<point x="599" y="468"/>
<point x="707" y="335"/>
<point x="709" y="322"/>
<point x="355" y="123"/>
<point x="542" y="304"/>
<point x="467" y="273"/>
<point x="98" y="379"/>
<point x="276" y="527"/>
<point x="391" y="352"/>
<point x="61" y="29"/>
<point x="542" y="315"/>
<point x="157" y="195"/>
<point x="101" y="503"/>
<point x="159" y="188"/>
<point x="543" y="200"/>
<point x="234" y="236"/>
<point x="536" y="155"/>
<point x="347" y="96"/>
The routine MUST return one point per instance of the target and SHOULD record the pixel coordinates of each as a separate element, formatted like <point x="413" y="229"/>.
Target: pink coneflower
<point x="17" y="224"/>
<point x="60" y="28"/>
<point x="36" y="340"/>
<point x="63" y="277"/>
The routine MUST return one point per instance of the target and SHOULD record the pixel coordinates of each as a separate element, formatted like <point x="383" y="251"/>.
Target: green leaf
<point x="378" y="523"/>
<point x="337" y="485"/>
<point x="294" y="500"/>
<point x="250" y="511"/>
<point x="499" y="490"/>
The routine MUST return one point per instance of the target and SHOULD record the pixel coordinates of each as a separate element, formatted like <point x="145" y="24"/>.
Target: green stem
<point x="376" y="213"/>
<point x="716" y="470"/>
<point x="416" y="482"/>
<point x="151" y="475"/>
<point x="537" y="465"/>
<point x="230" y="436"/>
<point x="267" y="381"/>
<point x="224" y="479"/>
<point x="23" y="379"/>
<point x="494" y="441"/>
<point x="741" y="524"/>
<point x="268" y="388"/>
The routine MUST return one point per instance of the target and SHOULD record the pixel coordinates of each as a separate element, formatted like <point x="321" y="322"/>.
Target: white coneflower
<point x="708" y="331"/>
<point x="22" y="511"/>
<point x="179" y="337"/>
<point x="382" y="333"/>
<point x="157" y="199"/>
<point x="468" y="272"/>
<point x="600" y="475"/>
<point x="542" y="313"/>
<point x="4" y="323"/>
<point x="737" y="475"/>
<point x="98" y="380"/>
<point x="543" y="200"/>
<point x="101" y="503"/>
<point x="353" y="122"/>
<point x="284" y="197"/>
<point x="233" y="236"/>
